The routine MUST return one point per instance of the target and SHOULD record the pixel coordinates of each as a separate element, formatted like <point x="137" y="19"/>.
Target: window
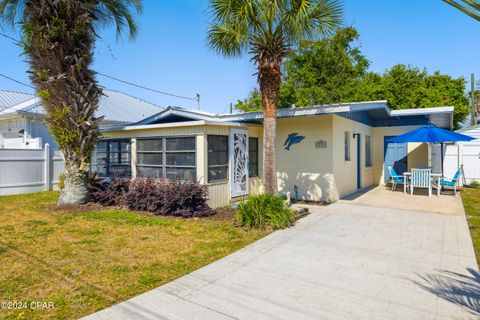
<point x="112" y="158"/>
<point x="150" y="158"/>
<point x="167" y="158"/>
<point x="253" y="157"/>
<point x="347" y="146"/>
<point x="217" y="158"/>
<point x="368" y="151"/>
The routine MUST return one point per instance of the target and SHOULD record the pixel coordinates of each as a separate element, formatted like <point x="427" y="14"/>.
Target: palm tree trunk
<point x="270" y="79"/>
<point x="58" y="42"/>
<point x="75" y="190"/>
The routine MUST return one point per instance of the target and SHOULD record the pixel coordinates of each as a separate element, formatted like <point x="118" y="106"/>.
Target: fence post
<point x="48" y="159"/>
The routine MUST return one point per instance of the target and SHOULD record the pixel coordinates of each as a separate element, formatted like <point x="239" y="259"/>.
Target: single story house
<point x="323" y="152"/>
<point x="22" y="125"/>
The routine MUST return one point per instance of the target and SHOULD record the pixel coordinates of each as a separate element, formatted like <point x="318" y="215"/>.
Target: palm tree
<point x="471" y="7"/>
<point x="58" y="37"/>
<point x="268" y="29"/>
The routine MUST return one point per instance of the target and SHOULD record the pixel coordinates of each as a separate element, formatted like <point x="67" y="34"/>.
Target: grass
<point x="471" y="203"/>
<point x="86" y="260"/>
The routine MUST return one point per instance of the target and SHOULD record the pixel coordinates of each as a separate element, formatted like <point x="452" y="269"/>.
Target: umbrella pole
<point x="441" y="153"/>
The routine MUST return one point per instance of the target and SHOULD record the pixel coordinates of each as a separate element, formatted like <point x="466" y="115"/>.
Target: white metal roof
<point x="473" y="131"/>
<point x="175" y="125"/>
<point x="9" y="99"/>
<point x="377" y="109"/>
<point x="312" y="111"/>
<point x="114" y="106"/>
<point x="421" y="111"/>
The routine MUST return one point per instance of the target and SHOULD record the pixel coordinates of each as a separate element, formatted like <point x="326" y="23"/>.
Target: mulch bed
<point x="223" y="214"/>
<point x="219" y="214"/>
<point x="77" y="208"/>
<point x="310" y="202"/>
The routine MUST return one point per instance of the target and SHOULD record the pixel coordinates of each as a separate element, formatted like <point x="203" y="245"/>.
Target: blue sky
<point x="170" y="53"/>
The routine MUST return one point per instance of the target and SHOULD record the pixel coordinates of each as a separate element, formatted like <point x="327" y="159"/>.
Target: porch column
<point x="201" y="161"/>
<point x="133" y="153"/>
<point x="429" y="155"/>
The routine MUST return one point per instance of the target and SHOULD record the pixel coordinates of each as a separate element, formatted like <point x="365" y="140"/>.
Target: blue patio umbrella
<point x="430" y="134"/>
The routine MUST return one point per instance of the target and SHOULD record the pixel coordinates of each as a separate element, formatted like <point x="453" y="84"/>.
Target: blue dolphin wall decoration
<point x="293" y="138"/>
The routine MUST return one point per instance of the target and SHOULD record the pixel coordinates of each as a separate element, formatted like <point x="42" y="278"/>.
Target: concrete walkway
<point x="344" y="261"/>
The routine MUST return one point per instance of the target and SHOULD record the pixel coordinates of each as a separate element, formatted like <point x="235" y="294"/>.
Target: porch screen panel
<point x="180" y="158"/>
<point x="112" y="158"/>
<point x="217" y="158"/>
<point x="100" y="159"/>
<point x="169" y="158"/>
<point x="150" y="158"/>
<point x="119" y="154"/>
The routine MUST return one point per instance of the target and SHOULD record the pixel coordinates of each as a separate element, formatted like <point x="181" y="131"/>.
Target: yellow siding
<point x="415" y="157"/>
<point x="156" y="132"/>
<point x="219" y="192"/>
<point x="345" y="172"/>
<point x="320" y="173"/>
<point x="307" y="167"/>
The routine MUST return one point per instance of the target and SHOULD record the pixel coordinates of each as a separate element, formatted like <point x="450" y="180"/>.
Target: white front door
<point x="238" y="147"/>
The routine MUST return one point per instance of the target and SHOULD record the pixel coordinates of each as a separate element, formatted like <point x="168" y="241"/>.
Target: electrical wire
<point x="8" y="37"/>
<point x="146" y="88"/>
<point x="17" y="81"/>
<point x="112" y="78"/>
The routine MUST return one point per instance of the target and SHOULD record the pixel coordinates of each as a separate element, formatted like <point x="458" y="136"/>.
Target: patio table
<point x="407" y="175"/>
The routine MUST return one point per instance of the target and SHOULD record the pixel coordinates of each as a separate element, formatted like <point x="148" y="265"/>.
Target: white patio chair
<point x="421" y="178"/>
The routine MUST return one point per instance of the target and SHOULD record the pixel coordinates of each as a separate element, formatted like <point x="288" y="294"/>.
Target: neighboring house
<point x="323" y="152"/>
<point x="461" y="153"/>
<point x="22" y="125"/>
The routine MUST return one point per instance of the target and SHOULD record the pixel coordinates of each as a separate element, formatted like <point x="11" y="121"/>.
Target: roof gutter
<point x="172" y="125"/>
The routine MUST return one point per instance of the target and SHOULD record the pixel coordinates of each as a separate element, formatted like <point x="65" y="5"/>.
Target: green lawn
<point x="86" y="260"/>
<point x="471" y="202"/>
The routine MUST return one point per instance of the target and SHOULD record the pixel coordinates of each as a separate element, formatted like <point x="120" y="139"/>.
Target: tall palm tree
<point x="58" y="38"/>
<point x="268" y="29"/>
<point x="469" y="7"/>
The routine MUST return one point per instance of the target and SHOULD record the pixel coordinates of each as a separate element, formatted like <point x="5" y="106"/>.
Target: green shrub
<point x="475" y="184"/>
<point x="61" y="181"/>
<point x="264" y="209"/>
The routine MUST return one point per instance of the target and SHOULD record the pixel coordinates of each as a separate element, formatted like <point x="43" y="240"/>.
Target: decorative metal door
<point x="238" y="162"/>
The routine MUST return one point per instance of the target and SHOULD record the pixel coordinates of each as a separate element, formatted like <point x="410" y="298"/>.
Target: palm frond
<point x="269" y="23"/>
<point x="119" y="13"/>
<point x="11" y="12"/>
<point x="228" y="39"/>
<point x="308" y="19"/>
<point x="471" y="9"/>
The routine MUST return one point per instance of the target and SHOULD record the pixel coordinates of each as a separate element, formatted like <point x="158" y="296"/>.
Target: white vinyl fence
<point x="29" y="170"/>
<point x="455" y="155"/>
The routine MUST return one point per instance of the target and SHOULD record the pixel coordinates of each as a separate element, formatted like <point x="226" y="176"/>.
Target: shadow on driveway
<point x="457" y="288"/>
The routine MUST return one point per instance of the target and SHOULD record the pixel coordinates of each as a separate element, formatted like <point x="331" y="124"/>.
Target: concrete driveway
<point x="345" y="261"/>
